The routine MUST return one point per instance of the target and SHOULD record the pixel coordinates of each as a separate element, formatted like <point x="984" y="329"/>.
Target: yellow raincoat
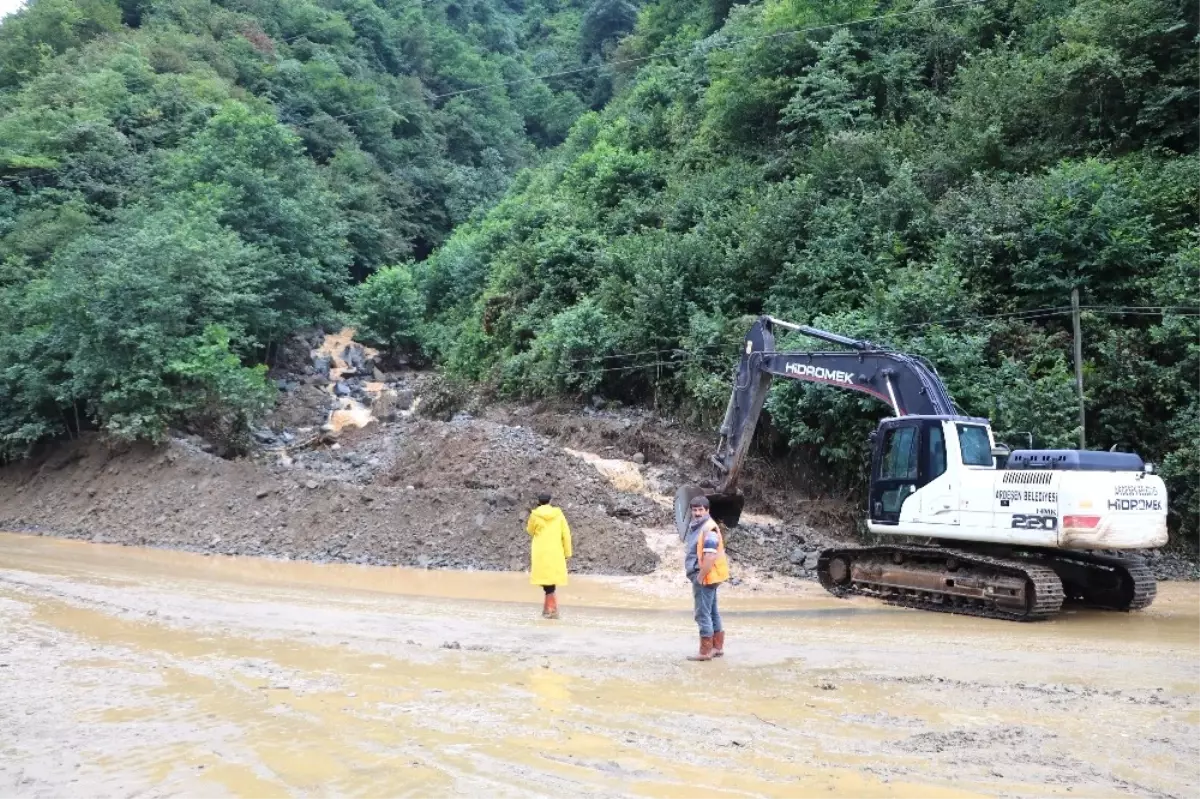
<point x="550" y="547"/>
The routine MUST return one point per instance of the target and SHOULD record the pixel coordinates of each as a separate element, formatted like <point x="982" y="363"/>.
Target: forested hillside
<point x="185" y="182"/>
<point x="575" y="197"/>
<point x="937" y="181"/>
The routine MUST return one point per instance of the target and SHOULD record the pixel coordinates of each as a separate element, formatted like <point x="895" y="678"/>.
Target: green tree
<point x="389" y="311"/>
<point x="214" y="394"/>
<point x="827" y="99"/>
<point x="605" y="21"/>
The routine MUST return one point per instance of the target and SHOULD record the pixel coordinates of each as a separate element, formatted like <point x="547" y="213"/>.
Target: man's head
<point x="699" y="507"/>
<point x="544" y="498"/>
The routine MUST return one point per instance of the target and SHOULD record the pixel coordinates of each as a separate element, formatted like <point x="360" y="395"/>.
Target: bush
<point x="214" y="395"/>
<point x="388" y="311"/>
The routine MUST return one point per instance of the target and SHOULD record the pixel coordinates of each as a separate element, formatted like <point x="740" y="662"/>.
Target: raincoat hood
<point x="546" y="513"/>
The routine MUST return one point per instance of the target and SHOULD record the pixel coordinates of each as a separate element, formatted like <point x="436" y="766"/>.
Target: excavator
<point x="972" y="527"/>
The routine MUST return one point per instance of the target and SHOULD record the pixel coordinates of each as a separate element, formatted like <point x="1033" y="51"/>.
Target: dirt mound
<point x="628" y="432"/>
<point x="498" y="471"/>
<point x="361" y="464"/>
<point x="370" y="462"/>
<point x="774" y="546"/>
<point x="681" y="454"/>
<point x="391" y="500"/>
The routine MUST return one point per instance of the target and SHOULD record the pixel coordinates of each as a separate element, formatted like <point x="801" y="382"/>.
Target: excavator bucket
<point x="724" y="508"/>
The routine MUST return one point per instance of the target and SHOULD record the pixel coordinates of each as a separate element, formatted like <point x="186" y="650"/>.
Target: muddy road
<point x="150" y="673"/>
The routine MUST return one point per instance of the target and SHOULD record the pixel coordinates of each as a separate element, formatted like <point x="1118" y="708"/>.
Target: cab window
<point x="935" y="451"/>
<point x="976" y="448"/>
<point x="899" y="454"/>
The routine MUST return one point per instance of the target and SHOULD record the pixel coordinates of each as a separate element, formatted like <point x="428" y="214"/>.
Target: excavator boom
<point x="906" y="383"/>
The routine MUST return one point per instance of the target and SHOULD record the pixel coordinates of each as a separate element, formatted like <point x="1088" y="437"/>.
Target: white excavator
<point x="979" y="529"/>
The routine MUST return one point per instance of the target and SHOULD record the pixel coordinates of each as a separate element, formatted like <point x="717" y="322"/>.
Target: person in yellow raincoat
<point x="550" y="546"/>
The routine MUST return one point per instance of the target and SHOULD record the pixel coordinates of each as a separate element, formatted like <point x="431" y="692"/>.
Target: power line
<point x="1044" y="313"/>
<point x="1183" y="313"/>
<point x="703" y="354"/>
<point x="610" y="369"/>
<point x="1154" y="309"/>
<point x="669" y="350"/>
<point x="988" y="317"/>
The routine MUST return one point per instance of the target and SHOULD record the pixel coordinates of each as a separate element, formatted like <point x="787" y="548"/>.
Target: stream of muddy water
<point x="137" y="672"/>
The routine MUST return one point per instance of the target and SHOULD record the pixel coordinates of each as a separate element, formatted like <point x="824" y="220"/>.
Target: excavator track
<point x="944" y="581"/>
<point x="1103" y="581"/>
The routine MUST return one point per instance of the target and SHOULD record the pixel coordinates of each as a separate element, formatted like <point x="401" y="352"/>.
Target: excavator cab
<point x="910" y="452"/>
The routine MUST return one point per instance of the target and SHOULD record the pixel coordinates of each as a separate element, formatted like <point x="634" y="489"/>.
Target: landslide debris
<point x="384" y="498"/>
<point x="365" y="460"/>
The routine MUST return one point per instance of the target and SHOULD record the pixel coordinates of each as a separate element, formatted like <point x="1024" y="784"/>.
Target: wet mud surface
<point x="139" y="672"/>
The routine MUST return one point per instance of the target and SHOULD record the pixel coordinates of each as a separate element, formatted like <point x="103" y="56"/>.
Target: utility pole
<point x="1078" y="365"/>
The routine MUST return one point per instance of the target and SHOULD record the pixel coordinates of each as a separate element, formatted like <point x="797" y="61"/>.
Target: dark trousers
<point x="549" y="589"/>
<point x="708" y="618"/>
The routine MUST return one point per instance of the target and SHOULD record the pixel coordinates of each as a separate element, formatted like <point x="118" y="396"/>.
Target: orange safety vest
<point x="719" y="573"/>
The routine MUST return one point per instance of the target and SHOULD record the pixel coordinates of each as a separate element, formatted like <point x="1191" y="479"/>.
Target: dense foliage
<point x="939" y="181"/>
<point x="184" y="182"/>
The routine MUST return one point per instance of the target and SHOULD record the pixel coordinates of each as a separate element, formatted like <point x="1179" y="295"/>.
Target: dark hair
<point x="543" y="498"/>
<point x="699" y="502"/>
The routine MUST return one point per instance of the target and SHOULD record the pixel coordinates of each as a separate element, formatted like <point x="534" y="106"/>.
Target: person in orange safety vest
<point x="706" y="567"/>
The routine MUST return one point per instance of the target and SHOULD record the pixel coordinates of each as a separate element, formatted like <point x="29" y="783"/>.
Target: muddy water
<point x="347" y="411"/>
<point x="624" y="475"/>
<point x="145" y="672"/>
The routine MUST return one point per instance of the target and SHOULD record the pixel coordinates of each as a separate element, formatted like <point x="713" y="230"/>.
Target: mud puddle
<point x="146" y="672"/>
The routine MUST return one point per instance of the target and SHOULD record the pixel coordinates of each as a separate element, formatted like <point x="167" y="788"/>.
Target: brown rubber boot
<point x="552" y="606"/>
<point x="718" y="644"/>
<point x="706" y="650"/>
<point x="546" y="606"/>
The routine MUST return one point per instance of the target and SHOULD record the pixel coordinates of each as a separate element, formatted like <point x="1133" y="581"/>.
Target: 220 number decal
<point x="1025" y="522"/>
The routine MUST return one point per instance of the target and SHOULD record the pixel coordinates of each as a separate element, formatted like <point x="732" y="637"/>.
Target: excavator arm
<point x="907" y="383"/>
